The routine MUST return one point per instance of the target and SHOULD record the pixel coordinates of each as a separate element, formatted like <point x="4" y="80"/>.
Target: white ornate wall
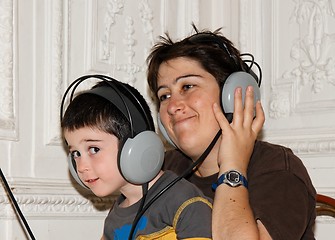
<point x="44" y="45"/>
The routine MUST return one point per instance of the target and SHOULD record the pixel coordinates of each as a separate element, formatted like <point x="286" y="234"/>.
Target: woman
<point x="263" y="191"/>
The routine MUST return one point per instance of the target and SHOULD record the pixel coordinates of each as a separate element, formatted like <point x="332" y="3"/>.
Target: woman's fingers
<point x="249" y="109"/>
<point x="238" y="107"/>
<point x="244" y="114"/>
<point x="258" y="122"/>
<point x="220" y="117"/>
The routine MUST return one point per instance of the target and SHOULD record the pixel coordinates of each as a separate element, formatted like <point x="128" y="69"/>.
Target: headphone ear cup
<point x="164" y="132"/>
<point x="141" y="158"/>
<point x="73" y="171"/>
<point x="234" y="80"/>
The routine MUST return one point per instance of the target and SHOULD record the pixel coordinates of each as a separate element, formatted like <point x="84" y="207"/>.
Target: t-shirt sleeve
<point x="286" y="210"/>
<point x="282" y="196"/>
<point x="193" y="219"/>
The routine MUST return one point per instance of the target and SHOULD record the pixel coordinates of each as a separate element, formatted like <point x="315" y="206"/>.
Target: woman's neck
<point x="209" y="166"/>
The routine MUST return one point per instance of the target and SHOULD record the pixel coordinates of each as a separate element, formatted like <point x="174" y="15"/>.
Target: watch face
<point x="233" y="177"/>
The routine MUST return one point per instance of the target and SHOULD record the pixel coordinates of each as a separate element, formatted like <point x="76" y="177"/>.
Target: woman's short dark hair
<point x="217" y="60"/>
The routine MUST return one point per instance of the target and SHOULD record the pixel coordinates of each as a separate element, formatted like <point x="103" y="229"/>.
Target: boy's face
<point x="95" y="153"/>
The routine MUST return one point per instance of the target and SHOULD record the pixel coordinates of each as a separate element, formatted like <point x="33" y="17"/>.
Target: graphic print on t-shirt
<point x="123" y="232"/>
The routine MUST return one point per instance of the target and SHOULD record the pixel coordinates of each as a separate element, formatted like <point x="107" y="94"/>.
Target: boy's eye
<point x="75" y="154"/>
<point x="94" y="150"/>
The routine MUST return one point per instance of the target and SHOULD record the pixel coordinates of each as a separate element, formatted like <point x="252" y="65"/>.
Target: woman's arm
<point x="232" y="214"/>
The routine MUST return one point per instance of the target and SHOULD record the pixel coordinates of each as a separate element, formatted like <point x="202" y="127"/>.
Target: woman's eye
<point x="187" y="87"/>
<point x="94" y="150"/>
<point x="164" y="97"/>
<point x="75" y="154"/>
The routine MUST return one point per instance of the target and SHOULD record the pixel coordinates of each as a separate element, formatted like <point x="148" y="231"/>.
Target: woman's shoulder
<point x="271" y="159"/>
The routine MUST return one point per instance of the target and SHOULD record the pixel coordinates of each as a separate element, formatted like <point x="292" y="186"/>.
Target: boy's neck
<point x="133" y="193"/>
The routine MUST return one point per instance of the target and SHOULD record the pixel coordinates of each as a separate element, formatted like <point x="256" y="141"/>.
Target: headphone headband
<point x="121" y="96"/>
<point x="212" y="38"/>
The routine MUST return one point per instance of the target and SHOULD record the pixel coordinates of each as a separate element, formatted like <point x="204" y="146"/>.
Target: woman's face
<point x="187" y="92"/>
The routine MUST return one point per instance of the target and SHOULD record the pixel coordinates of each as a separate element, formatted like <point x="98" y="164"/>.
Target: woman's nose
<point x="176" y="103"/>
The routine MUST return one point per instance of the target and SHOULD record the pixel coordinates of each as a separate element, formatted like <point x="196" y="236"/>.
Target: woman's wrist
<point x="234" y="165"/>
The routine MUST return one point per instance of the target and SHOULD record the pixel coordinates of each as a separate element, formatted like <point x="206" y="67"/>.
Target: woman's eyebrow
<point x="177" y="79"/>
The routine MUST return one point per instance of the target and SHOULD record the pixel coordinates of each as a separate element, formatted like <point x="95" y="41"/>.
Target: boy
<point x="97" y="126"/>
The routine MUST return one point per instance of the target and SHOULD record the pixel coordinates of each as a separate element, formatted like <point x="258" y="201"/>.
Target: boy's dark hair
<point x="212" y="56"/>
<point x="90" y="110"/>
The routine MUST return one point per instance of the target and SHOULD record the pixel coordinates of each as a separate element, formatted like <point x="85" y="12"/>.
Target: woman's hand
<point x="238" y="138"/>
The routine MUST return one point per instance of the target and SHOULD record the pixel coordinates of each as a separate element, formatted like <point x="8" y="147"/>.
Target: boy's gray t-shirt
<point x="181" y="212"/>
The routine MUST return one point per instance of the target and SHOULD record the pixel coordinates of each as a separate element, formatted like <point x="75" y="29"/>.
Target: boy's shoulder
<point x="180" y="191"/>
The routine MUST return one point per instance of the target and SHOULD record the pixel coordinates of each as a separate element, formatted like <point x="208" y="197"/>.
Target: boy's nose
<point x="82" y="164"/>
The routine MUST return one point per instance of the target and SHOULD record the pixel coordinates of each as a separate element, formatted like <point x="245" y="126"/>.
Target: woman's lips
<point x="180" y="120"/>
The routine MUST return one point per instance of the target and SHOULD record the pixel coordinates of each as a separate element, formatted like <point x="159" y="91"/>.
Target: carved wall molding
<point x="54" y="199"/>
<point x="54" y="48"/>
<point x="312" y="147"/>
<point x="8" y="121"/>
<point x="312" y="141"/>
<point x="55" y="206"/>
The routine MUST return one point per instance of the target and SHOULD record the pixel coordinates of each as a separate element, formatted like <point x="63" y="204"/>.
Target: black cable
<point x="18" y="210"/>
<point x="259" y="82"/>
<point x="145" y="188"/>
<point x="185" y="173"/>
<point x="252" y="61"/>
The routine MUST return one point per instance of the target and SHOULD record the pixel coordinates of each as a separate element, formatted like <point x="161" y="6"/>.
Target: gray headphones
<point x="141" y="156"/>
<point x="236" y="79"/>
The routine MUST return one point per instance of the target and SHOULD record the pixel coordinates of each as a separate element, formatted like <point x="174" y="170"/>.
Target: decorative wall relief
<point x="310" y="82"/>
<point x="316" y="66"/>
<point x="121" y="34"/>
<point x="7" y="81"/>
<point x="114" y="8"/>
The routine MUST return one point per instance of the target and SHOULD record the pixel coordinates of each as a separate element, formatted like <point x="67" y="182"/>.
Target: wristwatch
<point x="232" y="178"/>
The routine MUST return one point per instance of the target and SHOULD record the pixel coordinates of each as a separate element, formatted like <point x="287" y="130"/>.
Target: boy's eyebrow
<point x="179" y="78"/>
<point x="84" y="140"/>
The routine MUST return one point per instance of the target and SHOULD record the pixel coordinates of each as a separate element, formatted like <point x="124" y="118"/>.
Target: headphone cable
<point x="167" y="187"/>
<point x="17" y="208"/>
<point x="145" y="188"/>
